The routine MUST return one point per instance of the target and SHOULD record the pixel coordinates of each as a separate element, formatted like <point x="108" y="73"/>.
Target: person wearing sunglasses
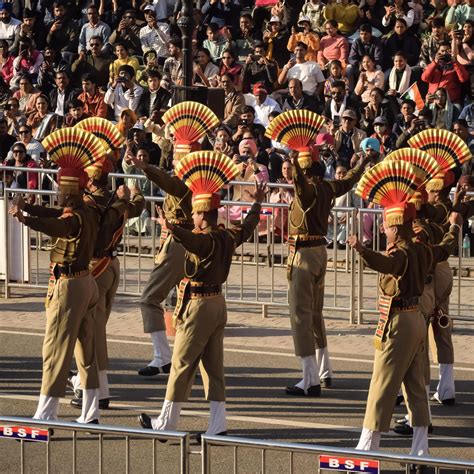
<point x="22" y="159"/>
<point x="34" y="148"/>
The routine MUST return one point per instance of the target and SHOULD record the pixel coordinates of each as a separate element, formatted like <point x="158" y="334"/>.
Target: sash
<point x="291" y="255"/>
<point x="385" y="303"/>
<point x="183" y="284"/>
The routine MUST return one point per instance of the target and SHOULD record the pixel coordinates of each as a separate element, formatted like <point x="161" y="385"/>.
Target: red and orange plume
<point x="391" y="184"/>
<point x="189" y="122"/>
<point x="205" y="173"/>
<point x="297" y="129"/>
<point x="104" y="130"/>
<point x="448" y="149"/>
<point x="73" y="150"/>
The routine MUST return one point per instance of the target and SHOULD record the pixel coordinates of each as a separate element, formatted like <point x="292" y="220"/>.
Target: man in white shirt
<point x="123" y="93"/>
<point x="262" y="104"/>
<point x="154" y="35"/>
<point x="308" y="72"/>
<point x="8" y="25"/>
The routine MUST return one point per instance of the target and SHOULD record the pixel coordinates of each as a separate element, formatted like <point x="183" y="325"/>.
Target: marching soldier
<point x="200" y="314"/>
<point x="114" y="210"/>
<point x="72" y="293"/>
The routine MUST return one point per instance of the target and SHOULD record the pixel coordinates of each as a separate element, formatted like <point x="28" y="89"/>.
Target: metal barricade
<point x="101" y="430"/>
<point x="316" y="450"/>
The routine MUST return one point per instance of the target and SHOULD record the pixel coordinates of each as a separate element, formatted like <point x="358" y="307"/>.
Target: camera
<point x="243" y="123"/>
<point x="458" y="33"/>
<point x="446" y="57"/>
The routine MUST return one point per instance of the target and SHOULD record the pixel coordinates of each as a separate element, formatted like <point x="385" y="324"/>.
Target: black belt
<point x="306" y="242"/>
<point x="405" y="303"/>
<point x="69" y="271"/>
<point x="107" y="253"/>
<point x="204" y="290"/>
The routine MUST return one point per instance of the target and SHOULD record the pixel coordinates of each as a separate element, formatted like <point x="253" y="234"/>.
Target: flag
<point x="413" y="93"/>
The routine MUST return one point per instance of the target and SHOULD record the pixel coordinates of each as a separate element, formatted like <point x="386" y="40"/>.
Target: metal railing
<point x="101" y="430"/>
<point x="293" y="448"/>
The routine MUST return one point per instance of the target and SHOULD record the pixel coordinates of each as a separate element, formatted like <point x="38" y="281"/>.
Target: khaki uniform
<point x="308" y="217"/>
<point x="72" y="296"/>
<point x="169" y="262"/>
<point x="105" y="266"/>
<point x="200" y="315"/>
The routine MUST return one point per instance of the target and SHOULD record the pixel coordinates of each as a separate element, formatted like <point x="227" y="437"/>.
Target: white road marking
<point x="246" y="419"/>
<point x="238" y="351"/>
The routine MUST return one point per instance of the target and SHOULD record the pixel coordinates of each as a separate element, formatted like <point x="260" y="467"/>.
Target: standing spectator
<point x="204" y="68"/>
<point x="92" y="97"/>
<point x="258" y="69"/>
<point x="154" y="97"/>
<point x="6" y="62"/>
<point x="369" y="79"/>
<point x="459" y="13"/>
<point x="348" y="137"/>
<point x="233" y="101"/>
<point x="216" y="42"/>
<point x="314" y="10"/>
<point x="52" y="62"/>
<point x="345" y="13"/>
<point x="63" y="32"/>
<point x="430" y="44"/>
<point x="28" y="61"/>
<point x="308" y="72"/>
<point x="95" y="61"/>
<point x="155" y="35"/>
<point x="246" y="37"/>
<point x="123" y="93"/>
<point x="62" y="94"/>
<point x="173" y="66"/>
<point x="275" y="38"/>
<point x="34" y="148"/>
<point x="8" y="25"/>
<point x="401" y="40"/>
<point x="399" y="9"/>
<point x="366" y="45"/>
<point x="31" y="28"/>
<point x="308" y="37"/>
<point x="122" y="58"/>
<point x="230" y="66"/>
<point x="297" y="99"/>
<point x="128" y="32"/>
<point x="333" y="46"/>
<point x="262" y="104"/>
<point x="42" y="120"/>
<point x="446" y="72"/>
<point x="94" y="27"/>
<point x="339" y="102"/>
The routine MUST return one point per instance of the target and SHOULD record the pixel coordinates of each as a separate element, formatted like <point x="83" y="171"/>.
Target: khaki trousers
<point x="167" y="273"/>
<point x="400" y="360"/>
<point x="70" y="312"/>
<point x="306" y="299"/>
<point x="199" y="341"/>
<point x="107" y="284"/>
<point x="427" y="305"/>
<point x="441" y="341"/>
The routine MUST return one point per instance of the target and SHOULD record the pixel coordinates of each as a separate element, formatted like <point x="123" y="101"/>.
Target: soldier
<point x="401" y="330"/>
<point x="114" y="210"/>
<point x="200" y="314"/>
<point x="72" y="293"/>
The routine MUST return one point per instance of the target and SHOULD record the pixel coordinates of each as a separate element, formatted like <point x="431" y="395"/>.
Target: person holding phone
<point x="307" y="36"/>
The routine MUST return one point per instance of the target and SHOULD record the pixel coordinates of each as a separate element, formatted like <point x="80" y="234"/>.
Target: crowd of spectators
<point x="378" y="71"/>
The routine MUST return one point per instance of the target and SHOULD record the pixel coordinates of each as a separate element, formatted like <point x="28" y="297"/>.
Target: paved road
<point x="257" y="408"/>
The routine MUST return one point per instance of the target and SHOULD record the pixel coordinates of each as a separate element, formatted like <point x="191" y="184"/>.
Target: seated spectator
<point x="229" y="65"/>
<point x="339" y="102"/>
<point x="333" y="46"/>
<point x="128" y="118"/>
<point x="94" y="61"/>
<point x="259" y="70"/>
<point x="446" y="72"/>
<point x="52" y="62"/>
<point x="399" y="10"/>
<point x="335" y="75"/>
<point x="369" y="79"/>
<point x="173" y="66"/>
<point x="123" y="92"/>
<point x="62" y="93"/>
<point x="128" y="32"/>
<point x="366" y="45"/>
<point x="222" y="142"/>
<point x="444" y="114"/>
<point x="6" y="62"/>
<point x="377" y="107"/>
<point x="122" y="58"/>
<point x="435" y="9"/>
<point x="459" y="13"/>
<point x="25" y="180"/>
<point x="13" y="115"/>
<point x="94" y="27"/>
<point x="204" y="68"/>
<point x="262" y="11"/>
<point x="31" y="28"/>
<point x="26" y="94"/>
<point x="28" y="61"/>
<point x="43" y="121"/>
<point x="314" y="10"/>
<point x="308" y="72"/>
<point x="467" y="114"/>
<point x="418" y="124"/>
<point x="383" y="133"/>
<point x="345" y="13"/>
<point x="155" y="35"/>
<point x="5" y="93"/>
<point x="63" y="33"/>
<point x="150" y="61"/>
<point x="348" y="137"/>
<point x="275" y="38"/>
<point x="138" y="138"/>
<point x="262" y="104"/>
<point x="222" y="13"/>
<point x="91" y="97"/>
<point x="8" y="25"/>
<point x="6" y="140"/>
<point x="308" y="37"/>
<point x="34" y="148"/>
<point x="400" y="76"/>
<point x="461" y="129"/>
<point x="216" y="43"/>
<point x="154" y="97"/>
<point x="75" y="113"/>
<point x="403" y="120"/>
<point x="297" y="99"/>
<point x="401" y="40"/>
<point x="373" y="12"/>
<point x="430" y="44"/>
<point x="247" y="125"/>
<point x="370" y="149"/>
<point x="246" y="37"/>
<point x="7" y="177"/>
<point x="233" y="101"/>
